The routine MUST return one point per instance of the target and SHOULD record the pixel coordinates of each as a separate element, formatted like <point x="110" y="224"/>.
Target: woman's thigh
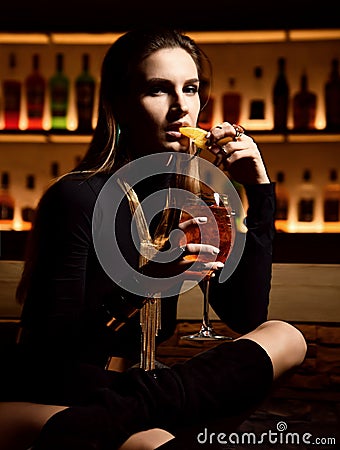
<point x="21" y="422"/>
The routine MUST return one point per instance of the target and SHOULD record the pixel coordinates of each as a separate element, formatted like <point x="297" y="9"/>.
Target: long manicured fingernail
<point x="202" y="219"/>
<point x="213" y="265"/>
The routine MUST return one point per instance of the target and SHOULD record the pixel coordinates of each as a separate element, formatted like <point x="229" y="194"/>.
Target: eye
<point x="156" y="90"/>
<point x="191" y="89"/>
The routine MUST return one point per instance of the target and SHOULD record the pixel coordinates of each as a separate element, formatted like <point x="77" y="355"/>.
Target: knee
<point x="288" y="343"/>
<point x="147" y="440"/>
<point x="21" y="423"/>
<point x="283" y="342"/>
<point x="290" y="337"/>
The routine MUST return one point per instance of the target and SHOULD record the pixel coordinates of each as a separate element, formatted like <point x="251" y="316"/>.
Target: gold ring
<point x="224" y="150"/>
<point x="238" y="131"/>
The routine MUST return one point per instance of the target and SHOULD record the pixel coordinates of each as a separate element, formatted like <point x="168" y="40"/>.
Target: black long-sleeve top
<point x="63" y="311"/>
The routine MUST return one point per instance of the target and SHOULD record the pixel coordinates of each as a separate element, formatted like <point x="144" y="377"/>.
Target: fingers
<point x="244" y="147"/>
<point x="207" y="249"/>
<point x="243" y="141"/>
<point x="226" y="138"/>
<point x="197" y="271"/>
<point x="224" y="133"/>
<point x="221" y="131"/>
<point x="192" y="268"/>
<point x="194" y="221"/>
<point x="240" y="156"/>
<point x="245" y="144"/>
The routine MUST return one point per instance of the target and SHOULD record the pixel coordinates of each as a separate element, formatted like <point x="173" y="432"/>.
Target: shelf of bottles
<point x="36" y="104"/>
<point x="283" y="87"/>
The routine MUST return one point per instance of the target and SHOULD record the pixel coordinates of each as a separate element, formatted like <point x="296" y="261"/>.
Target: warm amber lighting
<point x="305" y="227"/>
<point x="313" y="138"/>
<point x="24" y="38"/>
<point x="202" y="37"/>
<point x="230" y="37"/>
<point x="314" y="35"/>
<point x="17" y="225"/>
<point x="269" y="138"/>
<point x="26" y="138"/>
<point x="84" y="38"/>
<point x="69" y="139"/>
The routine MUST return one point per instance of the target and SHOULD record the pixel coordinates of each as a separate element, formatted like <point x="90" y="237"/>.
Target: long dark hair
<point x="120" y="63"/>
<point x="106" y="152"/>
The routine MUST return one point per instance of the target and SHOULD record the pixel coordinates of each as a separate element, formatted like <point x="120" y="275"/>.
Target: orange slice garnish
<point x="199" y="136"/>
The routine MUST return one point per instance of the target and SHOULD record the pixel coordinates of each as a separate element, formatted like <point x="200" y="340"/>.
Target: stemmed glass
<point x="217" y="231"/>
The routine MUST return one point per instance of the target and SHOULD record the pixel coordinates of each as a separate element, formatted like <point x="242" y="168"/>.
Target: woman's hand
<point x="240" y="157"/>
<point x="175" y="258"/>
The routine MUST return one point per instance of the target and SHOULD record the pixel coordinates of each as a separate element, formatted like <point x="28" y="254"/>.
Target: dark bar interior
<point x="245" y="42"/>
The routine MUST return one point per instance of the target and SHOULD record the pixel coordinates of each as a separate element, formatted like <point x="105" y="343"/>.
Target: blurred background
<point x="275" y="71"/>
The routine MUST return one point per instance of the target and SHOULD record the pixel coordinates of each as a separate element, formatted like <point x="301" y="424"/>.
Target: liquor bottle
<point x="35" y="96"/>
<point x="332" y="98"/>
<point x="331" y="203"/>
<point x="7" y="203"/>
<point x="258" y="103"/>
<point x="55" y="169"/>
<point x="11" y="87"/>
<point x="304" y="106"/>
<point x="282" y="203"/>
<point x="59" y="95"/>
<point x="28" y="210"/>
<point x="281" y="97"/>
<point x="306" y="202"/>
<point x="85" y="88"/>
<point x="205" y="118"/>
<point x="231" y="103"/>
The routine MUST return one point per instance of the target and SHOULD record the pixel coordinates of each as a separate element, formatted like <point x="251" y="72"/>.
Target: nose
<point x="179" y="104"/>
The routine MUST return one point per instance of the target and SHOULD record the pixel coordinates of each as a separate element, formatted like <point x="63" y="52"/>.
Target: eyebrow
<point x="165" y="80"/>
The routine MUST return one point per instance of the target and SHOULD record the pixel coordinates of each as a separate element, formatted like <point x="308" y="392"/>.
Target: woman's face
<point x="164" y="97"/>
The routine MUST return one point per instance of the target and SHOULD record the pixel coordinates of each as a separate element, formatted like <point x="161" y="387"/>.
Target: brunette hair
<point x="119" y="65"/>
<point x="106" y="152"/>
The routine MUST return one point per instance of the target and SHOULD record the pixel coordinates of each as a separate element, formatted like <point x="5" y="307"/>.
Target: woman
<point x="149" y="89"/>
